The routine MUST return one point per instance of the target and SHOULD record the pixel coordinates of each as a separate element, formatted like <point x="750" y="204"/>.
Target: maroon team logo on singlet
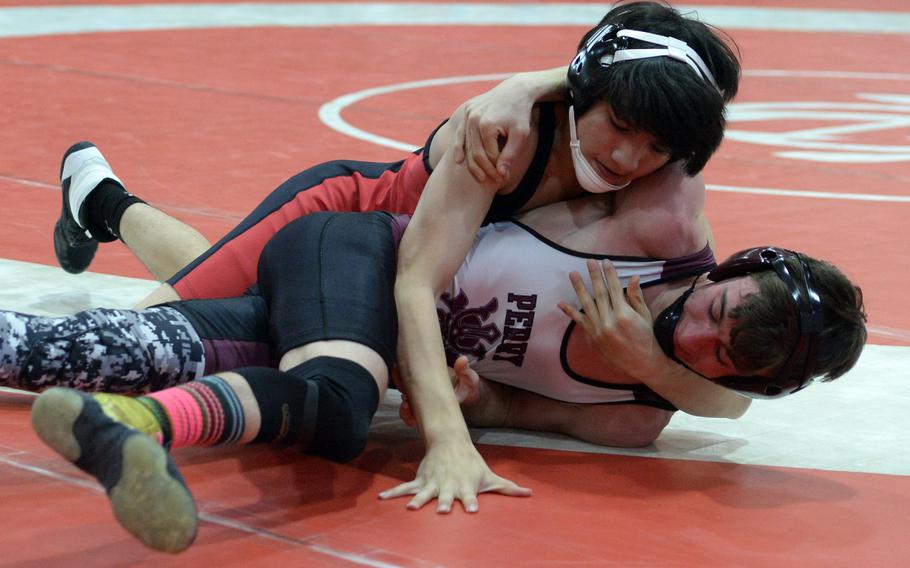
<point x="465" y="330"/>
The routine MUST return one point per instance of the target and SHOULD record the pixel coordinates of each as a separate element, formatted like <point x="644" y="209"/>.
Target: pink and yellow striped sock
<point x="205" y="412"/>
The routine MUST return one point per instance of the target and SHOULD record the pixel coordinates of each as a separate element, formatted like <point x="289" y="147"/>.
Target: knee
<point x="350" y="429"/>
<point x="324" y="406"/>
<point x="348" y="397"/>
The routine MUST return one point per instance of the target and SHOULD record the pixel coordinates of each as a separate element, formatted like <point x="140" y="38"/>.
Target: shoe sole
<point x="53" y="416"/>
<point x="147" y="500"/>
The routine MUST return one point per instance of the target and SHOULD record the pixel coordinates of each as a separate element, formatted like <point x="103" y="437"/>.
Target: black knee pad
<point x="348" y="399"/>
<point x="325" y="405"/>
<point x="286" y="404"/>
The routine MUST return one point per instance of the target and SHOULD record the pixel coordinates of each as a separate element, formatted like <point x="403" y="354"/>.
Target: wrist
<point x="552" y="84"/>
<point x="448" y="438"/>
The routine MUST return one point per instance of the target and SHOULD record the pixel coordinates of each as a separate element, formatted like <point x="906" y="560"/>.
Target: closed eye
<point x="720" y="317"/>
<point x="660" y="149"/>
<point x="618" y="126"/>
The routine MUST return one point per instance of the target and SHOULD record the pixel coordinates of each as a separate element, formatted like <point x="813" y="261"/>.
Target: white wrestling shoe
<point x="83" y="168"/>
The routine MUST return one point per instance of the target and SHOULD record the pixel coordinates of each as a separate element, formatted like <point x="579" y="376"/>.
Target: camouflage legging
<point x="106" y="350"/>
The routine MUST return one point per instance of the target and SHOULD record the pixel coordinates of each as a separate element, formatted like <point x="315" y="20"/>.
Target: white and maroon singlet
<point x="501" y="311"/>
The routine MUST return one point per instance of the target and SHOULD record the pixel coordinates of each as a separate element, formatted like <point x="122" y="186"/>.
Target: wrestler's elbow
<point x="643" y="434"/>
<point x="738" y="408"/>
<point x="624" y="426"/>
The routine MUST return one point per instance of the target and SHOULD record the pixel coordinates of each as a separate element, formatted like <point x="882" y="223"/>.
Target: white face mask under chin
<point x="587" y="177"/>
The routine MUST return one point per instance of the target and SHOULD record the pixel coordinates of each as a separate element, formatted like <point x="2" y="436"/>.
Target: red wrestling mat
<point x="268" y="506"/>
<point x="204" y="123"/>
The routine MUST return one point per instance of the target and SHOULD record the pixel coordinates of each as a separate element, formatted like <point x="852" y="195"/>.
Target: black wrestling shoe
<point x="148" y="494"/>
<point x="82" y="169"/>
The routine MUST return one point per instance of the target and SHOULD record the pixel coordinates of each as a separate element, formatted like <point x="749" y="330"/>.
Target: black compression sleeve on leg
<point x="348" y="399"/>
<point x="283" y="403"/>
<point x="325" y="405"/>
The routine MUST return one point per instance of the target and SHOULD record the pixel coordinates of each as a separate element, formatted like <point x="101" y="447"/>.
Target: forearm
<point x="547" y="85"/>
<point x="423" y="367"/>
<point x="498" y="405"/>
<point x="620" y="425"/>
<point x="693" y="394"/>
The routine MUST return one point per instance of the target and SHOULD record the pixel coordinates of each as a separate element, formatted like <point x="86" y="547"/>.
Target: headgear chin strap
<point x="797" y="371"/>
<point x="587" y="176"/>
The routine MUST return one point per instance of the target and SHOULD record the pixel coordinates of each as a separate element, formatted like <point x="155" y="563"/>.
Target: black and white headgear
<point x="611" y="44"/>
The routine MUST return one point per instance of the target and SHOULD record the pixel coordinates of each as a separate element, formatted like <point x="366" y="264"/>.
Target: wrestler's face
<point x="702" y="336"/>
<point x="617" y="152"/>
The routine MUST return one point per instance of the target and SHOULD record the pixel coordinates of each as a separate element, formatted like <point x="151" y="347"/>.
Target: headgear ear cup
<point x="589" y="63"/>
<point x="745" y="262"/>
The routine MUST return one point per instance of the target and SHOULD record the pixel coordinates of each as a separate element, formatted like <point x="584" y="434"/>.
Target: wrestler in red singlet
<point x="228" y="268"/>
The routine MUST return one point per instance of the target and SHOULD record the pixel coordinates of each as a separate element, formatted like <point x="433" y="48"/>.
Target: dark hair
<point x="663" y="96"/>
<point x="765" y="325"/>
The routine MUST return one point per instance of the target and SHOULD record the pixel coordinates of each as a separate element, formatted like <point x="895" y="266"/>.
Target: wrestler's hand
<point x="620" y="324"/>
<point x="491" y="128"/>
<point x="465" y="381"/>
<point x="453" y="470"/>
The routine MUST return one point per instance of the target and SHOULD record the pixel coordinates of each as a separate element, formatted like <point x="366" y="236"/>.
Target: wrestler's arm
<point x="693" y="394"/>
<point x="491" y="127"/>
<point x="687" y="391"/>
<point x="621" y="326"/>
<point x="434" y="245"/>
<point x="488" y="404"/>
<point x="664" y="215"/>
<point x="495" y="405"/>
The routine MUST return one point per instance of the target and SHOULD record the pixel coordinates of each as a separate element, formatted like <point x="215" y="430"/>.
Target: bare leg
<point x="97" y="207"/>
<point x="161" y="294"/>
<point x="349" y="350"/>
<point x="162" y="243"/>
